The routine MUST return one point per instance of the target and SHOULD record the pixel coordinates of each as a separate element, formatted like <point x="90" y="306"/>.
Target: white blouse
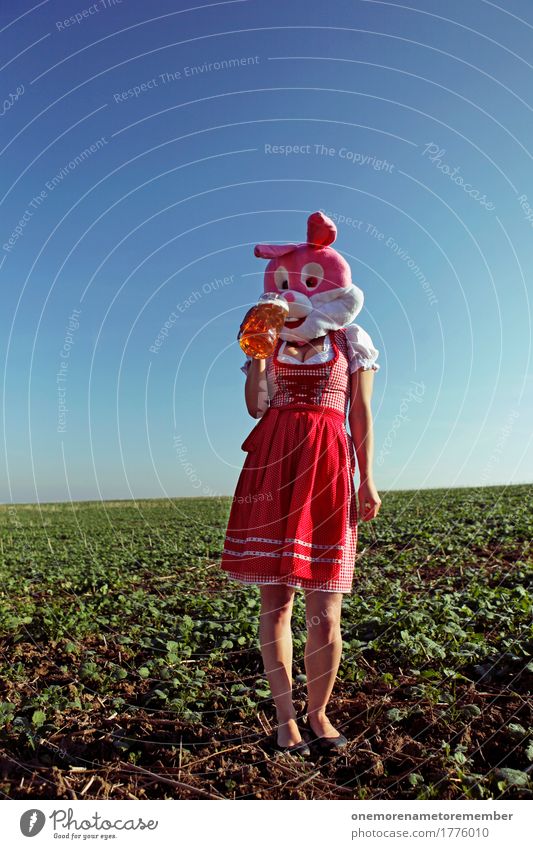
<point x="361" y="351"/>
<point x="361" y="354"/>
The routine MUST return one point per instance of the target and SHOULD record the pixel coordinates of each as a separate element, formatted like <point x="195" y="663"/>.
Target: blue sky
<point x="146" y="149"/>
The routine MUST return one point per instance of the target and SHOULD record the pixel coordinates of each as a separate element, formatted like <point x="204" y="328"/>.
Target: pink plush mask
<point x="314" y="279"/>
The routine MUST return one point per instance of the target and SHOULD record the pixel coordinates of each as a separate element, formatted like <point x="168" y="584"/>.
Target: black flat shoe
<point x="300" y="748"/>
<point x="331" y="744"/>
<point x="324" y="744"/>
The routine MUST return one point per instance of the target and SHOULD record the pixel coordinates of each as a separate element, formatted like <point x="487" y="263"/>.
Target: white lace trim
<point x="281" y="541"/>
<point x="282" y="554"/>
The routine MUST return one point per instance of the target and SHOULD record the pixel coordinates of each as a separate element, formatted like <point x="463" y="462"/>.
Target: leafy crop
<point x="126" y="649"/>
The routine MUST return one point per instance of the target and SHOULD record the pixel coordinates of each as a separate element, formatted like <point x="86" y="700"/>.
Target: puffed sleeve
<point x="361" y="350"/>
<point x="262" y="398"/>
<point x="246" y="365"/>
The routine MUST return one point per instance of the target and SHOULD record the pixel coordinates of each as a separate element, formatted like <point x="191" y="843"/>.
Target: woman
<point x="293" y="521"/>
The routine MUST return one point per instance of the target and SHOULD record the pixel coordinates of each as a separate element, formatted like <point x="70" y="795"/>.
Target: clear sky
<point x="145" y="149"/>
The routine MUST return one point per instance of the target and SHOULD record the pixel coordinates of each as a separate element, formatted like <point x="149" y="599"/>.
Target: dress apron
<point x="293" y="519"/>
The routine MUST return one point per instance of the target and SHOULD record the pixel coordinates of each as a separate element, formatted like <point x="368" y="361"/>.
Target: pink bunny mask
<point x="314" y="279"/>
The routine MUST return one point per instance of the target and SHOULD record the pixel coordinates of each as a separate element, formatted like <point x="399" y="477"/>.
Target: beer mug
<point x="262" y="324"/>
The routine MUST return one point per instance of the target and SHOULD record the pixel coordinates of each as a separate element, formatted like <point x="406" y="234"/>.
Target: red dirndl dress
<point x="293" y="519"/>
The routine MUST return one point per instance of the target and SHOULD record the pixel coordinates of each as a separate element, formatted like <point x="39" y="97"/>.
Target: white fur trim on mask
<point x="331" y="311"/>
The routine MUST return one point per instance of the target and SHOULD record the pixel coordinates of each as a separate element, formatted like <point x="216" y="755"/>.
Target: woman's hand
<point x="369" y="500"/>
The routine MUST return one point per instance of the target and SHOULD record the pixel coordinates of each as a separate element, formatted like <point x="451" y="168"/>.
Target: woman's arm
<point x="362" y="432"/>
<point x="254" y="388"/>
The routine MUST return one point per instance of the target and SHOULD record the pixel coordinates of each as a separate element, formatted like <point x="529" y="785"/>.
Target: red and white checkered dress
<point x="293" y="518"/>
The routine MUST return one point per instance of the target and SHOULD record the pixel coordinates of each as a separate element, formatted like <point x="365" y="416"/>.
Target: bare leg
<point x="323" y="651"/>
<point x="275" y="637"/>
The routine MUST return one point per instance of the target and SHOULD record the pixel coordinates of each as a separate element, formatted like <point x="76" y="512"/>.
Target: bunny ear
<point x="273" y="251"/>
<point x="321" y="230"/>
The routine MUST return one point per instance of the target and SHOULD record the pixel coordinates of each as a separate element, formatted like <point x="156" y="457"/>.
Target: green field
<point x="130" y="665"/>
